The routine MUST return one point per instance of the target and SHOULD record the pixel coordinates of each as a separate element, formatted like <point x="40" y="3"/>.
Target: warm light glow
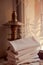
<point x="40" y="40"/>
<point x="42" y="47"/>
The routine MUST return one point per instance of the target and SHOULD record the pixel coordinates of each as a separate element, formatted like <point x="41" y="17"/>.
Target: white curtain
<point x="33" y="10"/>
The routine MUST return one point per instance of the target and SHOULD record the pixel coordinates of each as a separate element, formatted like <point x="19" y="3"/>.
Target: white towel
<point x="27" y="49"/>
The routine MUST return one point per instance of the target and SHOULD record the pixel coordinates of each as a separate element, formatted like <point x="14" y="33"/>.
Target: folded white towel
<point x="23" y="44"/>
<point x="27" y="49"/>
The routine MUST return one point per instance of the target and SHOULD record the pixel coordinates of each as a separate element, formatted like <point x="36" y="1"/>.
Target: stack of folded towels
<point x="27" y="50"/>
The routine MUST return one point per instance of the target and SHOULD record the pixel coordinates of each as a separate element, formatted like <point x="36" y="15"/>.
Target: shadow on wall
<point x="5" y="11"/>
<point x="3" y="40"/>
